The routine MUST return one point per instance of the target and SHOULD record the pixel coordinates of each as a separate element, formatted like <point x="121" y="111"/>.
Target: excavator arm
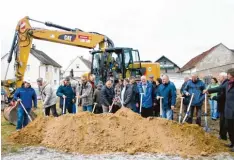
<point x="24" y="34"/>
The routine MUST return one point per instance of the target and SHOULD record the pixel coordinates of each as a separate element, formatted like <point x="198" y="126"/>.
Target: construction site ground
<point x="12" y="150"/>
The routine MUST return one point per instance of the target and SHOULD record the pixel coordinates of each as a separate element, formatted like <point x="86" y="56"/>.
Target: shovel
<point x="181" y="108"/>
<point x="206" y="128"/>
<point x="94" y="107"/>
<point x="141" y="101"/>
<point x="26" y="111"/>
<point x="77" y="100"/>
<point x="64" y="102"/>
<point x="111" y="106"/>
<point x="161" y="106"/>
<point x="188" y="109"/>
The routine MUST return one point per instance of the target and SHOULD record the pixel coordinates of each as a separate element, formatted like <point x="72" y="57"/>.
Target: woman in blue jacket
<point x="26" y="95"/>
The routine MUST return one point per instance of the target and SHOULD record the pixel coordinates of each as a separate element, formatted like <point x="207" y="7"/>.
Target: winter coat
<point x="221" y="96"/>
<point x="27" y="95"/>
<point x="168" y="92"/>
<point x="68" y="92"/>
<point x="128" y="96"/>
<point x="147" y="96"/>
<point x="229" y="100"/>
<point x="107" y="96"/>
<point x="136" y="96"/>
<point x="48" y="95"/>
<point x="86" y="94"/>
<point x="196" y="88"/>
<point x="212" y="86"/>
<point x="97" y="96"/>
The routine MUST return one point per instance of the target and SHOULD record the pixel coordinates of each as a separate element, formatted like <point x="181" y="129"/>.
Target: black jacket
<point x="97" y="96"/>
<point x="229" y="100"/>
<point x="107" y="95"/>
<point x="220" y="98"/>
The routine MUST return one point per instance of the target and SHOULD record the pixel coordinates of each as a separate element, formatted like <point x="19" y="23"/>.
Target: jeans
<point x="88" y="108"/>
<point x="167" y="113"/>
<point x="22" y="120"/>
<point x="134" y="108"/>
<point x="74" y="108"/>
<point x="214" y="109"/>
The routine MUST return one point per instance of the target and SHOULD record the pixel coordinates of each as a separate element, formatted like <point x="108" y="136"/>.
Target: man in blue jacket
<point x="146" y="87"/>
<point x="168" y="91"/>
<point x="26" y="95"/>
<point x="66" y="92"/>
<point x="195" y="86"/>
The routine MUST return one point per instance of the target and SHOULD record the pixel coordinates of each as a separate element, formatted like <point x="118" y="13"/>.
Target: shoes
<point x="230" y="146"/>
<point x="222" y="138"/>
<point x="18" y="130"/>
<point x="214" y="119"/>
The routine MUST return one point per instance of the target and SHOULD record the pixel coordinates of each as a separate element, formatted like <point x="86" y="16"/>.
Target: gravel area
<point x="42" y="153"/>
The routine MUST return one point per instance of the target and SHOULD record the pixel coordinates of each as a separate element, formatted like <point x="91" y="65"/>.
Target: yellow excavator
<point x="107" y="62"/>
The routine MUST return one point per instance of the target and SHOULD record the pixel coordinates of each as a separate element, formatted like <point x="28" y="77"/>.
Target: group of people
<point x="146" y="97"/>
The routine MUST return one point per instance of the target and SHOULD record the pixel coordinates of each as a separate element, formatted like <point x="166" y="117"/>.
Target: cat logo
<point x="149" y="69"/>
<point x="67" y="37"/>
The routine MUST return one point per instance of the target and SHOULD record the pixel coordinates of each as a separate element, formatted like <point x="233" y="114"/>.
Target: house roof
<point x="192" y="63"/>
<point x="85" y="61"/>
<point x="44" y="58"/>
<point x="168" y="60"/>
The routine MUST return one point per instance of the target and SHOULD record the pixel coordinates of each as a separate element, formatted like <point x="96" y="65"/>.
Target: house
<point x="211" y="62"/>
<point x="39" y="65"/>
<point x="167" y="66"/>
<point x="79" y="65"/>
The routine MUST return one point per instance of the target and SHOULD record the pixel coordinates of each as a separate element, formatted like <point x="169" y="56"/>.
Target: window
<point x="55" y="82"/>
<point x="165" y="62"/>
<point x="28" y="68"/>
<point x="46" y="68"/>
<point x="77" y="65"/>
<point x="55" y="70"/>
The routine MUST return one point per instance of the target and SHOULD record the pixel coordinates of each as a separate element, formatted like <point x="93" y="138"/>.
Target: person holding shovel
<point x="146" y="90"/>
<point x="195" y="86"/>
<point x="86" y="94"/>
<point x="168" y="91"/>
<point x="228" y="89"/>
<point x="67" y="96"/>
<point x="24" y="96"/>
<point x="107" y="96"/>
<point x="48" y="97"/>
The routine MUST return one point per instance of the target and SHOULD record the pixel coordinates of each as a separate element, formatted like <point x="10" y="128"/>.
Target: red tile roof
<point x="192" y="63"/>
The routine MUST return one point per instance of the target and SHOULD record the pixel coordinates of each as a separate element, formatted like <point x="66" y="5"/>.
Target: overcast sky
<point x="178" y="29"/>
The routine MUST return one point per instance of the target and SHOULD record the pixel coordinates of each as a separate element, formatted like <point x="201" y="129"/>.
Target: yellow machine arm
<point x="24" y="35"/>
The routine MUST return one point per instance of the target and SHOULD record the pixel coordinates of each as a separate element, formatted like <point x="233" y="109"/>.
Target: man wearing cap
<point x="25" y="95"/>
<point x="48" y="96"/>
<point x="65" y="92"/>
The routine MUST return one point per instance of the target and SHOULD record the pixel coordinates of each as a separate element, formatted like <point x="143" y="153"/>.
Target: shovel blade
<point x="206" y="129"/>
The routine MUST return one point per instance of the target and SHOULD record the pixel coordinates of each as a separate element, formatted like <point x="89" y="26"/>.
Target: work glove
<point x="19" y="100"/>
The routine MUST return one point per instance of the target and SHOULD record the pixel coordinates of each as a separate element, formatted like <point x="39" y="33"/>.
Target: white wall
<point x="32" y="70"/>
<point x="50" y="75"/>
<point x="77" y="71"/>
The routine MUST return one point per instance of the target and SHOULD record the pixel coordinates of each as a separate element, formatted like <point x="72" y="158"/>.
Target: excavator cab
<point x="116" y="63"/>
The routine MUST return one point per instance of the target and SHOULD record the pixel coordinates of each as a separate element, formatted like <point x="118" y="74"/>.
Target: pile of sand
<point x="123" y="131"/>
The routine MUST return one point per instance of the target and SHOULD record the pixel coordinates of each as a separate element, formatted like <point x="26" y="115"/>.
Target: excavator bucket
<point x="10" y="114"/>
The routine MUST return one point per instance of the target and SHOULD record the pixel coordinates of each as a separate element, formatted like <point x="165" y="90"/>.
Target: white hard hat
<point x="27" y="80"/>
